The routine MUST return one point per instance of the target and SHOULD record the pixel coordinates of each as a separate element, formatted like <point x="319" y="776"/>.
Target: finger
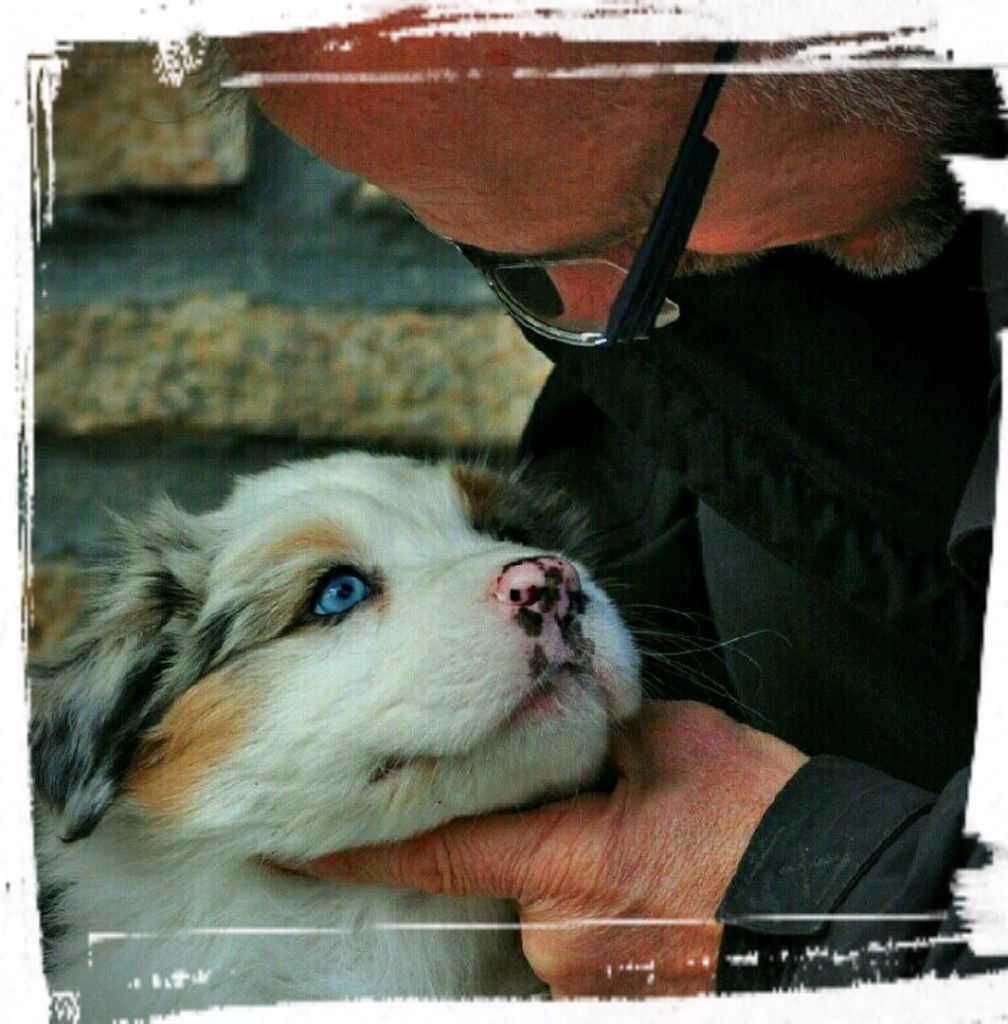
<point x="509" y="856"/>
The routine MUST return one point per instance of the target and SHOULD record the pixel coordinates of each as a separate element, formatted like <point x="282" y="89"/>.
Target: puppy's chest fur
<point x="350" y="651"/>
<point x="165" y="932"/>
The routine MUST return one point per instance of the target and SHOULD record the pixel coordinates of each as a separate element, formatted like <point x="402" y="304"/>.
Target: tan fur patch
<point x="200" y="729"/>
<point x="526" y="513"/>
<point x="480" y="489"/>
<point x="320" y="538"/>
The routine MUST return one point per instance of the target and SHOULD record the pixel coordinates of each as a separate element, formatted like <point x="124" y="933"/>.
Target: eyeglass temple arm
<point x="652" y="269"/>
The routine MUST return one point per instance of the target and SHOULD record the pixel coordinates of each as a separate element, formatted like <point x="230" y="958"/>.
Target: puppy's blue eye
<point x="339" y="592"/>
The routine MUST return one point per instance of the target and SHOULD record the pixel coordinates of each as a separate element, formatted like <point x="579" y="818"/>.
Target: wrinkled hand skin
<point x="691" y="788"/>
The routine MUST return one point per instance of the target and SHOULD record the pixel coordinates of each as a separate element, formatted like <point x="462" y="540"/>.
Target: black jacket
<point x="802" y="470"/>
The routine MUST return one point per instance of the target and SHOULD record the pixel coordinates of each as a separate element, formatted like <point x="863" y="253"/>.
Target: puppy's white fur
<point x="260" y="732"/>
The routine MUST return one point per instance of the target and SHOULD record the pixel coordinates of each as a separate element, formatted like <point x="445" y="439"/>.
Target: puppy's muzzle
<point x="544" y="584"/>
<point x="544" y="595"/>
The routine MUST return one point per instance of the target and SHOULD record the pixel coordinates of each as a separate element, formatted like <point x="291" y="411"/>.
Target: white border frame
<point x="976" y="31"/>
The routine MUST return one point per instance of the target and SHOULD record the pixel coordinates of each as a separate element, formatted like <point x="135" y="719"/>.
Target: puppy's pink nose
<point x="546" y="584"/>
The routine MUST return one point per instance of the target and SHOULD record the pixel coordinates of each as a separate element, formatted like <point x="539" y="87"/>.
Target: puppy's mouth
<point x="557" y="671"/>
<point x="547" y="696"/>
<point x="559" y="663"/>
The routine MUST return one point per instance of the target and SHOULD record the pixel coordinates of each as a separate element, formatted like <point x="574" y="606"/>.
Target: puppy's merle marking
<point x="531" y="622"/>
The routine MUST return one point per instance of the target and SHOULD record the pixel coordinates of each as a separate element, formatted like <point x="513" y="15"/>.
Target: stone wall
<point x="222" y="362"/>
<point x="211" y="299"/>
<point x="119" y="127"/>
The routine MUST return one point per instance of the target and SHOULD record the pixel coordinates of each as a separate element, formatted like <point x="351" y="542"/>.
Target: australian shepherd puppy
<point x="351" y="650"/>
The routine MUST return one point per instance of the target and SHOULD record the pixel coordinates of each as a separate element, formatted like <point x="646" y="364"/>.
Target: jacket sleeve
<point x="847" y="880"/>
<point x="848" y="876"/>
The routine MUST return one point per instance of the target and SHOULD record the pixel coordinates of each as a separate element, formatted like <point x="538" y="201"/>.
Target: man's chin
<point x="907" y="240"/>
<point x="883" y="256"/>
<point x="697" y="264"/>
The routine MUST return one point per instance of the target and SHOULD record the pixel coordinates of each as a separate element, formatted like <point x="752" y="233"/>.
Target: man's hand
<point x="692" y="786"/>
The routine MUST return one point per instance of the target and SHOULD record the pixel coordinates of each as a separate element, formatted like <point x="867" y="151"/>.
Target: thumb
<point x="518" y="855"/>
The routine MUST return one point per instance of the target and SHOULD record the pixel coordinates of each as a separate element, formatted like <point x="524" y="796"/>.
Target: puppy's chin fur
<point x="204" y="717"/>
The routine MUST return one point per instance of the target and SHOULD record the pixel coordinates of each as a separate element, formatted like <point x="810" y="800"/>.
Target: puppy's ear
<point x="113" y="678"/>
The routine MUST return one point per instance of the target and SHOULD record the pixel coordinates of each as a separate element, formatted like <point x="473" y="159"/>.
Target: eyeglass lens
<point x="574" y="296"/>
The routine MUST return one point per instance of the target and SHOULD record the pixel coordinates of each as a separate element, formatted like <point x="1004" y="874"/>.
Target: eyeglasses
<point x="594" y="302"/>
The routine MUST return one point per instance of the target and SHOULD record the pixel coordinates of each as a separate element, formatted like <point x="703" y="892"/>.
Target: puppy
<point x="351" y="650"/>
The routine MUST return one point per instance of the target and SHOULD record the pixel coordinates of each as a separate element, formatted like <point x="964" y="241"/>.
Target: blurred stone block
<point x="117" y="127"/>
<point x="222" y="362"/>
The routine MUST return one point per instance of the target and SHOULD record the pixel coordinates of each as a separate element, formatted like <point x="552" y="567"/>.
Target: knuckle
<point x="548" y="958"/>
<point x="705" y="713"/>
<point x="513" y="872"/>
<point x="442" y="868"/>
<point x="548" y="964"/>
